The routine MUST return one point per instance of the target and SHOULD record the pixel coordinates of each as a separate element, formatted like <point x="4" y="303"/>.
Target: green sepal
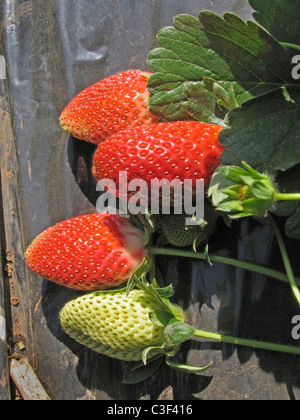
<point x="231" y="206"/>
<point x="242" y="191"/>
<point x="178" y="332"/>
<point x="140" y="273"/>
<point x="161" y="318"/>
<point x="263" y="189"/>
<point x="240" y="215"/>
<point x="152" y="351"/>
<point x="165" y="292"/>
<point x="186" y="368"/>
<point x="232" y="191"/>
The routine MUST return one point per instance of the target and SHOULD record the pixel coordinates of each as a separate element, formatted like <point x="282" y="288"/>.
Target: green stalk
<point x="224" y="260"/>
<point x="289" y="45"/>
<point x="287" y="262"/>
<point x="247" y="343"/>
<point x="287" y="196"/>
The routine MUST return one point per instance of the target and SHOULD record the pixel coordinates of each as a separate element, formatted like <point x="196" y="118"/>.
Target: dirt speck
<point x="14" y="301"/>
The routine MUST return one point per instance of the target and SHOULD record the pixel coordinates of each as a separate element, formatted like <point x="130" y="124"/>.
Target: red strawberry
<point x="90" y="252"/>
<point x="176" y="150"/>
<point x="109" y="106"/>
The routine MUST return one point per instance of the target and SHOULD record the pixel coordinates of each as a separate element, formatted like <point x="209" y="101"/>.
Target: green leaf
<point x="265" y="132"/>
<point x="200" y="103"/>
<point x="136" y="372"/>
<point x="178" y="332"/>
<point x="280" y="17"/>
<point x="241" y="58"/>
<point x="249" y="50"/>
<point x="292" y="227"/>
<point x="226" y="97"/>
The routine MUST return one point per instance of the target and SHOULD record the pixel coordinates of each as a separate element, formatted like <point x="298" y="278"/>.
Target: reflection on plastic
<point x="2" y="68"/>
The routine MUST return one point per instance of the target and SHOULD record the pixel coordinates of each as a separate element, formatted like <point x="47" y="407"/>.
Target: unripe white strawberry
<point x="113" y="323"/>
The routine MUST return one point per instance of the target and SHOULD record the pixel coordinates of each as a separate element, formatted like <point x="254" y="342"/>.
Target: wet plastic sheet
<point x="4" y="375"/>
<point x="53" y="50"/>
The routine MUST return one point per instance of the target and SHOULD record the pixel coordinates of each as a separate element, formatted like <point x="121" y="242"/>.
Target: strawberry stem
<point x="224" y="260"/>
<point x="247" y="343"/>
<point x="287" y="196"/>
<point x="286" y="261"/>
<point x="290" y="45"/>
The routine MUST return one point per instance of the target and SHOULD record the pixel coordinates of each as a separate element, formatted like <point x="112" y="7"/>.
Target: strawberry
<point x="109" y="106"/>
<point x="90" y="252"/>
<point x="115" y="324"/>
<point x="172" y="150"/>
<point x="180" y="235"/>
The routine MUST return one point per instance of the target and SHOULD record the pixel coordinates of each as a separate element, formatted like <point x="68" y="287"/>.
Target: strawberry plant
<point x="140" y="324"/>
<point x="240" y="74"/>
<point x="222" y="104"/>
<point x="211" y="68"/>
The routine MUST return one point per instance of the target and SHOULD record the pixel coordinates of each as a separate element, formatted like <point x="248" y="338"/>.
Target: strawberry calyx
<point x="146" y="74"/>
<point x="165" y="315"/>
<point x="242" y="191"/>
